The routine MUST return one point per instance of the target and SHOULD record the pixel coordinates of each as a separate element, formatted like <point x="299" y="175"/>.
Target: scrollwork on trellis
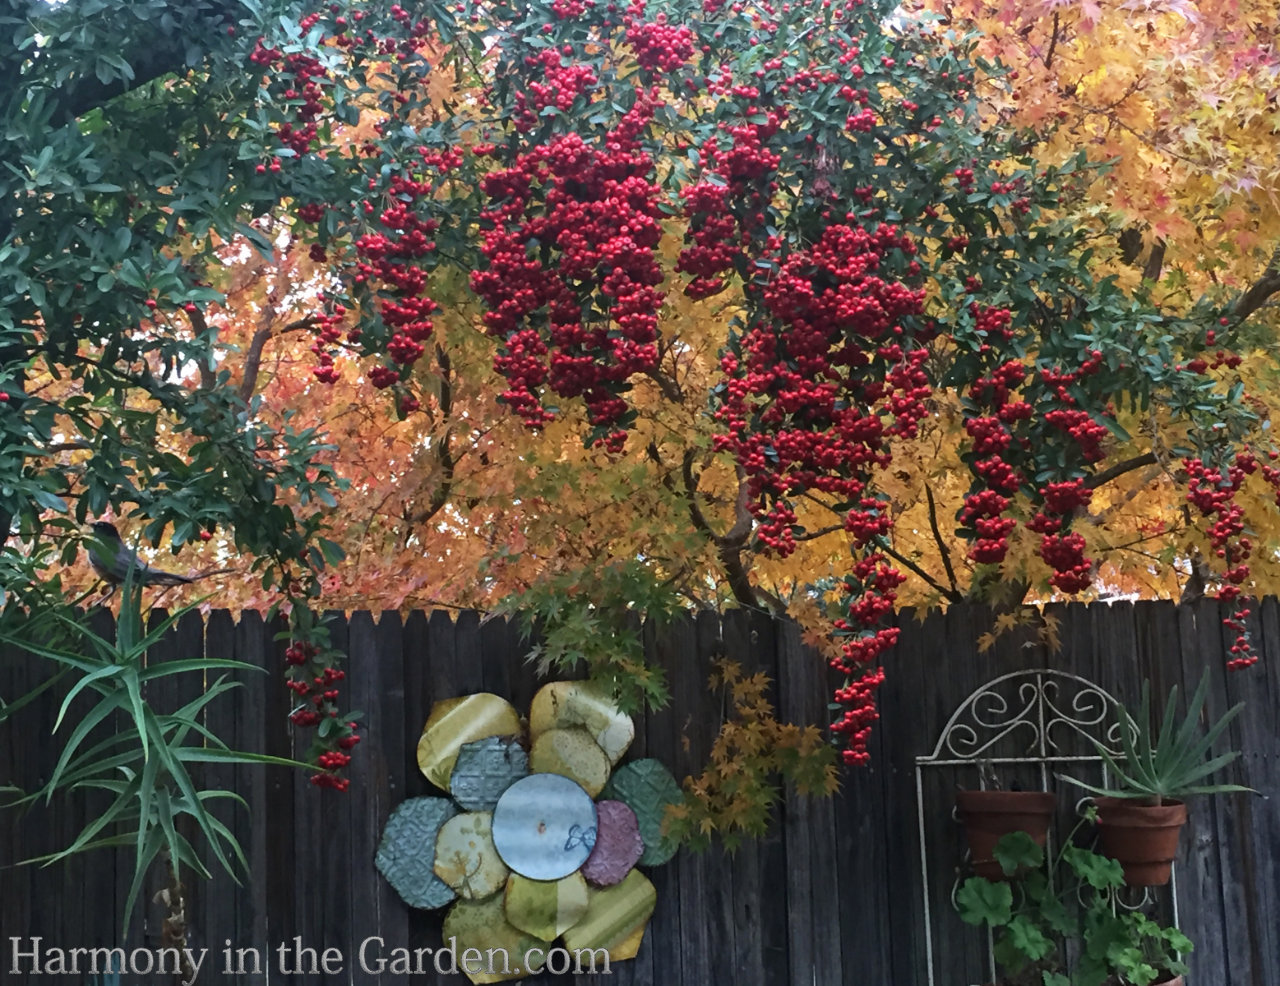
<point x="1042" y="710"/>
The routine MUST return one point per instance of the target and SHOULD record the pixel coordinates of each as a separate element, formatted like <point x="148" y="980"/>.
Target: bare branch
<point x="253" y="355"/>
<point x="728" y="546"/>
<point x="743" y="520"/>
<point x="1155" y="262"/>
<point x="950" y="594"/>
<point x="1262" y="289"/>
<point x="820" y="532"/>
<point x="937" y="536"/>
<point x="1119" y="469"/>
<point x="1053" y="42"/>
<point x="668" y="385"/>
<point x="444" y="445"/>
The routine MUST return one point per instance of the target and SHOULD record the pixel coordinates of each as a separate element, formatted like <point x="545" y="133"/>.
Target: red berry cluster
<point x="328" y="332"/>
<point x="570" y="283"/>
<point x="563" y="82"/>
<point x="660" y="46"/>
<point x="872" y="596"/>
<point x="1079" y="424"/>
<point x="816" y="388"/>
<point x="724" y="207"/>
<point x="393" y="262"/>
<point x="827" y="378"/>
<point x="995" y="479"/>
<point x="1212" y="491"/>
<point x="1064" y="553"/>
<point x="312" y="677"/>
<point x="300" y="79"/>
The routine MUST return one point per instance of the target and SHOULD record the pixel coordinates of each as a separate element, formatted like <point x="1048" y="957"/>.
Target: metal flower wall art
<point x="538" y="841"/>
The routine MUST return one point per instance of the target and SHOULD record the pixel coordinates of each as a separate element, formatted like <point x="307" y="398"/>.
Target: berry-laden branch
<point x="885" y="251"/>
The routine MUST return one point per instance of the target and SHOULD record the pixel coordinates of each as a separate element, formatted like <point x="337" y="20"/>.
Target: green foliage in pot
<point x="1034" y="917"/>
<point x="1170" y="765"/>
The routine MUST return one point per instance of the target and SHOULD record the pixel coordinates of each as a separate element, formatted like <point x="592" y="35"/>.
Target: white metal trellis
<point x="1026" y="717"/>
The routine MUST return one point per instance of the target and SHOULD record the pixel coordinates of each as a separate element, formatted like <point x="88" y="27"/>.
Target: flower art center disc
<point x="544" y="826"/>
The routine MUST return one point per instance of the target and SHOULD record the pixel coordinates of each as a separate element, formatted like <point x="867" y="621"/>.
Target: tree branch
<point x="153" y="50"/>
<point x="253" y="355"/>
<point x="444" y="455"/>
<point x="820" y="532"/>
<point x="1119" y="469"/>
<point x="1053" y="42"/>
<point x="1257" y="295"/>
<point x="737" y="535"/>
<point x="1155" y="262"/>
<point x="954" y="596"/>
<point x="670" y="389"/>
<point x="728" y="546"/>
<point x="937" y="537"/>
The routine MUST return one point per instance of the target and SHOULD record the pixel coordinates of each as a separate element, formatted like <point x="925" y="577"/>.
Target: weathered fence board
<point x="835" y="894"/>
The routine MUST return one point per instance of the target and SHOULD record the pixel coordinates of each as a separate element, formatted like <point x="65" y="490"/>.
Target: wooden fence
<point x="836" y="894"/>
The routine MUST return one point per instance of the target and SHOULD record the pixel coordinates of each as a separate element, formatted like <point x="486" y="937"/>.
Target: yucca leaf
<point x="180" y="776"/>
<point x="1144" y="727"/>
<point x="219" y="687"/>
<point x="162" y="627"/>
<point x="133" y="688"/>
<point x="207" y="755"/>
<point x="83" y="728"/>
<point x="1200" y="748"/>
<point x="146" y="792"/>
<point x="177" y="847"/>
<point x="88" y="762"/>
<point x="1113" y="766"/>
<point x="50" y="858"/>
<point x="218" y="828"/>
<point x="7" y="709"/>
<point x="123" y="800"/>
<point x="1219" y="789"/>
<point x="107" y="671"/>
<point x="1194" y="773"/>
<point x="185" y="726"/>
<point x="49" y="653"/>
<point x="197" y="664"/>
<point x="218" y="794"/>
<point x="1195" y="706"/>
<point x="1091" y="788"/>
<point x="1165" y="742"/>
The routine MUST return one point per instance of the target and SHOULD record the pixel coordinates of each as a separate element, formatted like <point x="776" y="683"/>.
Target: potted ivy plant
<point x="1140" y="818"/>
<point x="1033" y="918"/>
<point x="990" y="813"/>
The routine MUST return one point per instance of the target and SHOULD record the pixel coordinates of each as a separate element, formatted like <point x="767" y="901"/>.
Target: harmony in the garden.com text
<point x="31" y="956"/>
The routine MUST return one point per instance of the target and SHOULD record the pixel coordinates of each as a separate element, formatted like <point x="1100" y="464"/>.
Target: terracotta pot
<point x="988" y="815"/>
<point x="1142" y="838"/>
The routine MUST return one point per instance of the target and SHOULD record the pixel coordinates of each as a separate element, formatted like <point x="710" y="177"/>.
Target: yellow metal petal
<point x="582" y="703"/>
<point x="571" y="753"/>
<point x="546" y="909"/>
<point x="616" y="917"/>
<point x="457" y="721"/>
<point x="482" y="926"/>
<point x="466" y="858"/>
